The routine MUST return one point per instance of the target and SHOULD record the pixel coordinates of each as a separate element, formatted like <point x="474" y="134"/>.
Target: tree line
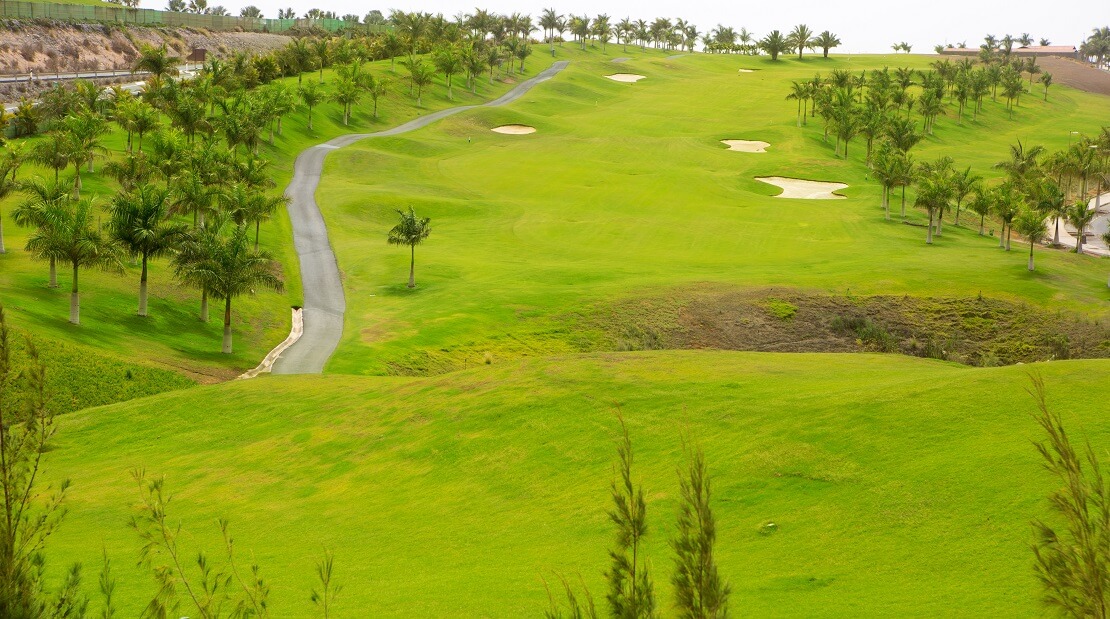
<point x="880" y="106"/>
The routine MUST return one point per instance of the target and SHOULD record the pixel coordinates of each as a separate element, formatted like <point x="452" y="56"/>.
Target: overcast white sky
<point x="863" y="25"/>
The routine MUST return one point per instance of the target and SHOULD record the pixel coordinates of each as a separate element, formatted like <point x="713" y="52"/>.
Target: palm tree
<point x="85" y="133"/>
<point x="189" y="194"/>
<point x="53" y="152"/>
<point x="131" y="171"/>
<point x="300" y="55"/>
<point x="1080" y="217"/>
<point x="411" y="231"/>
<point x="1046" y="79"/>
<point x="1030" y="224"/>
<point x="43" y="208"/>
<point x="981" y="204"/>
<point x="1022" y="163"/>
<point x="934" y="193"/>
<point x="798" y="92"/>
<point x="774" y="44"/>
<point x="347" y="94"/>
<point x="74" y="237"/>
<point x="321" y="49"/>
<point x="140" y="223"/>
<point x="448" y="63"/>
<point x="421" y="76"/>
<point x="800" y="38"/>
<point x="1008" y="202"/>
<point x="247" y="206"/>
<point x="197" y="246"/>
<point x="232" y="269"/>
<point x="826" y="41"/>
<point x="311" y="96"/>
<point x="156" y="61"/>
<point x="7" y="185"/>
<point x="886" y="166"/>
<point x="377" y="89"/>
<point x="963" y="184"/>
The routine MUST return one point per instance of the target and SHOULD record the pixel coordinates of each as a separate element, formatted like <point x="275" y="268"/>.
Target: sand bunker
<point x="745" y="71"/>
<point x="628" y="78"/>
<point x="746" y="146"/>
<point x="805" y="190"/>
<point x="514" y="129"/>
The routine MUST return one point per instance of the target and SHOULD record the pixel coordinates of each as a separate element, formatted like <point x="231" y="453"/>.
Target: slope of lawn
<point x="171" y="336"/>
<point x="625" y="192"/>
<point x="899" y="486"/>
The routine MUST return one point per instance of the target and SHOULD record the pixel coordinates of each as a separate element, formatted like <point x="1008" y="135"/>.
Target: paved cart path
<point x="324" y="303"/>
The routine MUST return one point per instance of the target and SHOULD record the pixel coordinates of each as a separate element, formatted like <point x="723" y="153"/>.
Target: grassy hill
<point x="900" y="486"/>
<point x="625" y="193"/>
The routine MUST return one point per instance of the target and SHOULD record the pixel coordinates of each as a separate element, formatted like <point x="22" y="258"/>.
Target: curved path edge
<point x="324" y="301"/>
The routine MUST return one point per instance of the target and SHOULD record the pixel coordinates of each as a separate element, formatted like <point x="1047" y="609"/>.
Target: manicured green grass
<point x="172" y="336"/>
<point x="900" y="486"/>
<point x="625" y="191"/>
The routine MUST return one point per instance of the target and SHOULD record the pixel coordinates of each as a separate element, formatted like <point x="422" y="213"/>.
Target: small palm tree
<point x="156" y="61"/>
<point x="44" y="206"/>
<point x="140" y="223"/>
<point x="826" y="41"/>
<point x="249" y="206"/>
<point x="376" y="88"/>
<point x="311" y="96"/>
<point x="1030" y="224"/>
<point x="1080" y="217"/>
<point x="774" y="44"/>
<point x="411" y="231"/>
<point x="981" y="204"/>
<point x="421" y="76"/>
<point x="801" y="38"/>
<point x="448" y="62"/>
<point x="74" y="237"/>
<point x="231" y="270"/>
<point x="347" y="94"/>
<point x="197" y="246"/>
<point x="1046" y="79"/>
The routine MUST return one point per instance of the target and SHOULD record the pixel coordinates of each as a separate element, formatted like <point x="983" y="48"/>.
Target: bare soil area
<point x="1076" y="74"/>
<point x="973" y="331"/>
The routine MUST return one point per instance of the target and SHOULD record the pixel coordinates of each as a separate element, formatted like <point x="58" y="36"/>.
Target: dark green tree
<point x="411" y="231"/>
<point x="700" y="593"/>
<point x="631" y="592"/>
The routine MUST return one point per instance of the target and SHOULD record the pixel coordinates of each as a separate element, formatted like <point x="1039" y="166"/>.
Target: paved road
<point x="324" y="302"/>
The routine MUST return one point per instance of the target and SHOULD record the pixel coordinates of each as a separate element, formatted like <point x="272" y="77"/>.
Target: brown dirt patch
<point x="974" y="331"/>
<point x="1076" y="74"/>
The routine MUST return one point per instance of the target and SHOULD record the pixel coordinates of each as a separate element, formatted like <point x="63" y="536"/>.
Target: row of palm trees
<point x="879" y="105"/>
<point x="1037" y="186"/>
<point x="1096" y="48"/>
<point x="199" y="160"/>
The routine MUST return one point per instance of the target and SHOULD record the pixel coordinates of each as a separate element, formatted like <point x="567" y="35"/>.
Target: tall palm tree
<point x="800" y="38"/>
<point x="53" y="152"/>
<point x="189" y="194"/>
<point x="321" y="50"/>
<point x="411" y="231"/>
<point x="982" y="203"/>
<point x="886" y="166"/>
<point x="1008" y="202"/>
<point x="231" y="270"/>
<point x="934" y="194"/>
<point x="448" y="62"/>
<point x="140" y="223"/>
<point x="1022" y="163"/>
<point x="73" y="237"/>
<point x="85" y="133"/>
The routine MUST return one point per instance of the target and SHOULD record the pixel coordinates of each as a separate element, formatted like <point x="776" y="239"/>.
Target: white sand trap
<point x="514" y="129"/>
<point x="628" y="78"/>
<point x="805" y="190"/>
<point x="745" y="71"/>
<point x="746" y="146"/>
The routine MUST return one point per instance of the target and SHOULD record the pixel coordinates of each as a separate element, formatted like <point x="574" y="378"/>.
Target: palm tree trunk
<point x="310" y="118"/>
<point x="886" y="201"/>
<point x="227" y="326"/>
<point x="1056" y="234"/>
<point x="1002" y="236"/>
<point x="75" y="299"/>
<point x="53" y="273"/>
<point x="1030" y="255"/>
<point x="903" y="201"/>
<point x="982" y="223"/>
<point x="142" y="289"/>
<point x="412" y="266"/>
<point x="940" y="223"/>
<point x="204" y="305"/>
<point x="929" y="232"/>
<point x="3" y="250"/>
<point x="1009" y="229"/>
<point x="257" y="225"/>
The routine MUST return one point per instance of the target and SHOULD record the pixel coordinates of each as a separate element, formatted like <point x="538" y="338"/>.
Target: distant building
<point x="1062" y="51"/>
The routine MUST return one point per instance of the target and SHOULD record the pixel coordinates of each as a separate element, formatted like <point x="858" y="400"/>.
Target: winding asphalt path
<point x="324" y="303"/>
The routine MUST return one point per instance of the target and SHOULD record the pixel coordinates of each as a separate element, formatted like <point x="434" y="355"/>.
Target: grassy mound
<point x="624" y="192"/>
<point x="453" y="495"/>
